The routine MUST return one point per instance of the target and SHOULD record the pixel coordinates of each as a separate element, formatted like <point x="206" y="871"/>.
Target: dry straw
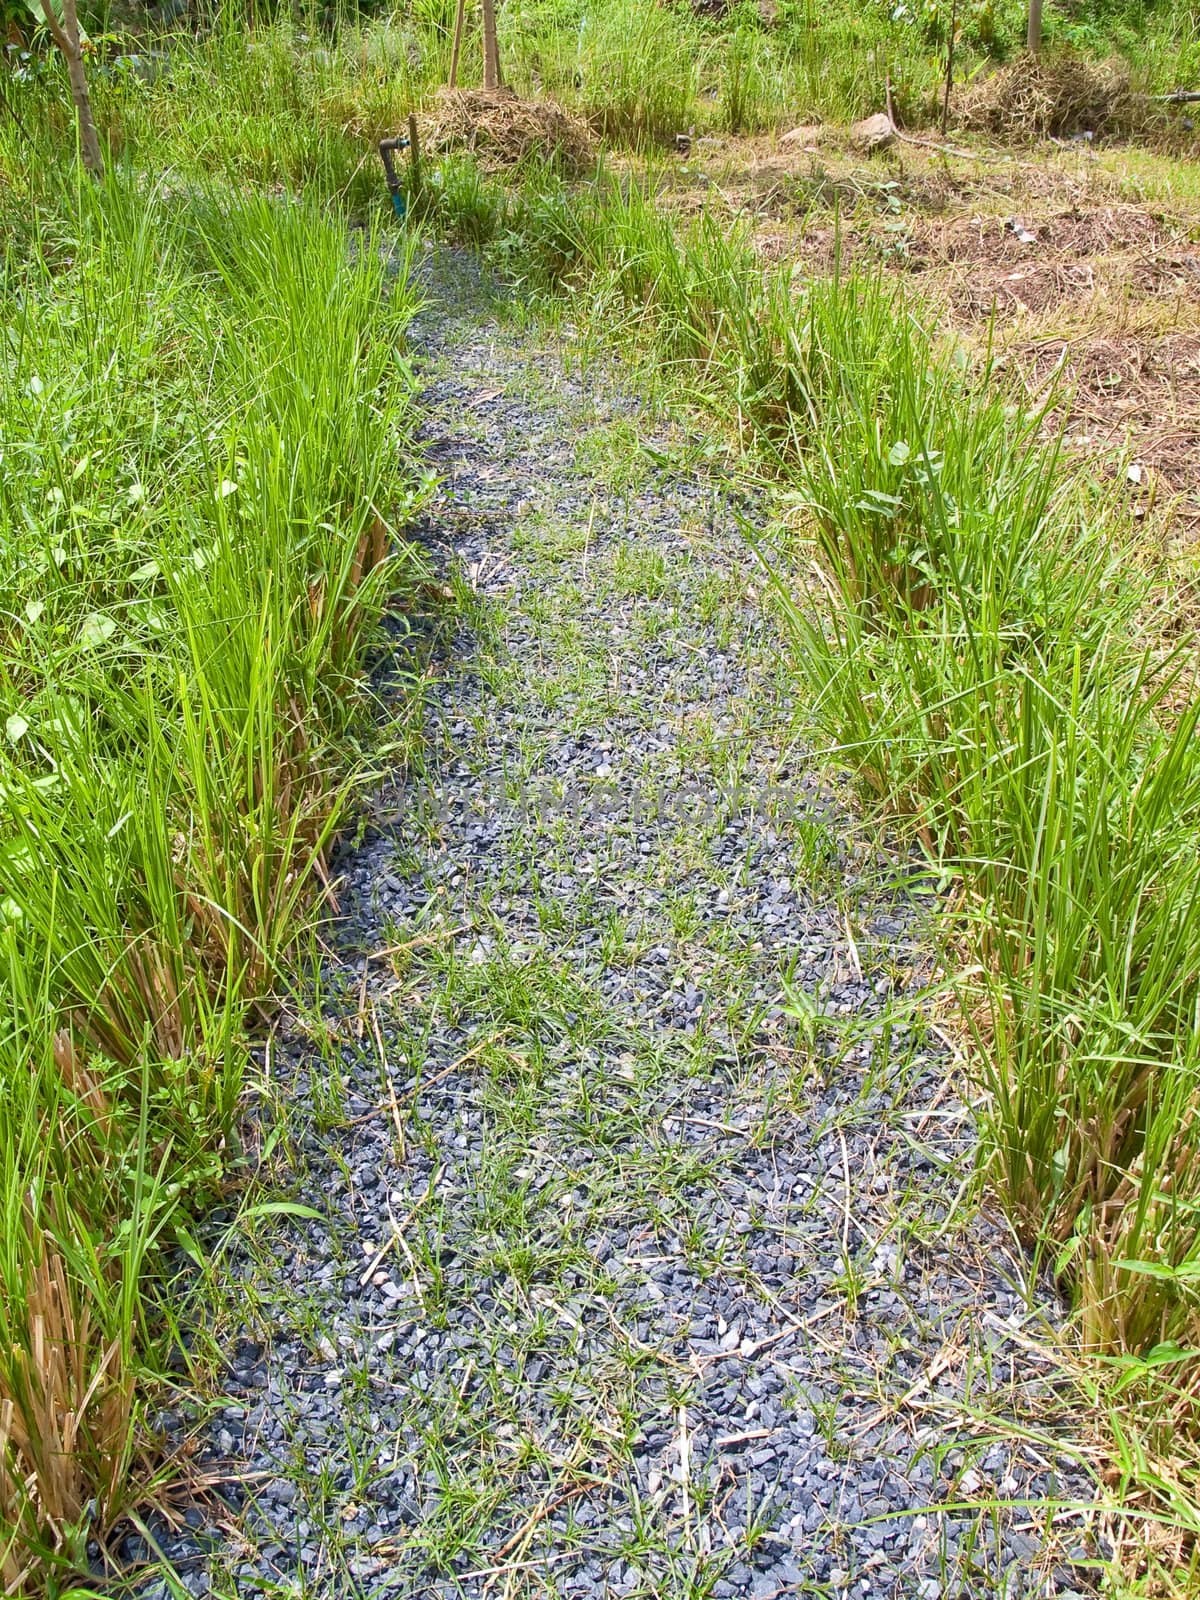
<point x="502" y="130"/>
<point x="1055" y="96"/>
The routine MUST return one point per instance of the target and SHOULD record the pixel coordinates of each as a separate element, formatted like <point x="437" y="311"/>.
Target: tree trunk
<point x="66" y="36"/>
<point x="491" y="49"/>
<point x="456" y="47"/>
<point x="1033" y="35"/>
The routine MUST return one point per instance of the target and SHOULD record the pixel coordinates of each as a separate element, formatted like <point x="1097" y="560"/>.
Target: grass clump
<point x="204" y="412"/>
<point x="638" y="70"/>
<point x="979" y="665"/>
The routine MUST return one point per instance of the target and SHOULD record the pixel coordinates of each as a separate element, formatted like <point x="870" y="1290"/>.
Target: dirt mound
<point x="1050" y="96"/>
<point x="1022" y="291"/>
<point x="718" y="10"/>
<point x="503" y="130"/>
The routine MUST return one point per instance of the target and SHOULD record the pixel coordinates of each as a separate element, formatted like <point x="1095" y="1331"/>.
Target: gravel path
<point x="641" y="1268"/>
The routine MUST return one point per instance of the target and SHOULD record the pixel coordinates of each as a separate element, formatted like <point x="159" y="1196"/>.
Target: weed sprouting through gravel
<point x="649" y="1261"/>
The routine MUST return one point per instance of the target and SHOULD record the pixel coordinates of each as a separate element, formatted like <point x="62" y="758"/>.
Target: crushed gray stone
<point x="640" y="1269"/>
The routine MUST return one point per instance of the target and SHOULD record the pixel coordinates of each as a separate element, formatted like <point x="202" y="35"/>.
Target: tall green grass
<point x="980" y="664"/>
<point x="304" y="98"/>
<point x="277" y="107"/>
<point x="638" y="69"/>
<point x="204" y="408"/>
<point x="974" y="630"/>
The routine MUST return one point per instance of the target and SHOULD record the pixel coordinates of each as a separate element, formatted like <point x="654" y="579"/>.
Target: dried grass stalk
<point x="65" y="1412"/>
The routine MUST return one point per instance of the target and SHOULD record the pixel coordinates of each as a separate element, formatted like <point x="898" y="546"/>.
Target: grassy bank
<point x="204" y="413"/>
<point x="979" y="641"/>
<point x="302" y="101"/>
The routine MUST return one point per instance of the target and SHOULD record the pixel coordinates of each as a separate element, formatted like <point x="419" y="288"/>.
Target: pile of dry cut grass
<point x="502" y="130"/>
<point x="1051" y="96"/>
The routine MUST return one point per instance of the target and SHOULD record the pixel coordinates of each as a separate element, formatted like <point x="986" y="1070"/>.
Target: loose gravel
<point x="647" y="1260"/>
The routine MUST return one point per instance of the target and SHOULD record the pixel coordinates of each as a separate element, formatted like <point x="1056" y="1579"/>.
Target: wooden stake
<point x="414" y="155"/>
<point x="456" y="47"/>
<point x="949" y="67"/>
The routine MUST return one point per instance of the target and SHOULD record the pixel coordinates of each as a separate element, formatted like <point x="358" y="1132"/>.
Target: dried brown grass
<point x="1052" y="96"/>
<point x="502" y="131"/>
<point x="65" y="1413"/>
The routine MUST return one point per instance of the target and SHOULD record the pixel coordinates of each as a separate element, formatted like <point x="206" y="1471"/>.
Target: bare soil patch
<point x="1132" y="396"/>
<point x="1072" y="234"/>
<point x="1031" y="289"/>
<point x="1048" y="252"/>
<point x="1092" y="259"/>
